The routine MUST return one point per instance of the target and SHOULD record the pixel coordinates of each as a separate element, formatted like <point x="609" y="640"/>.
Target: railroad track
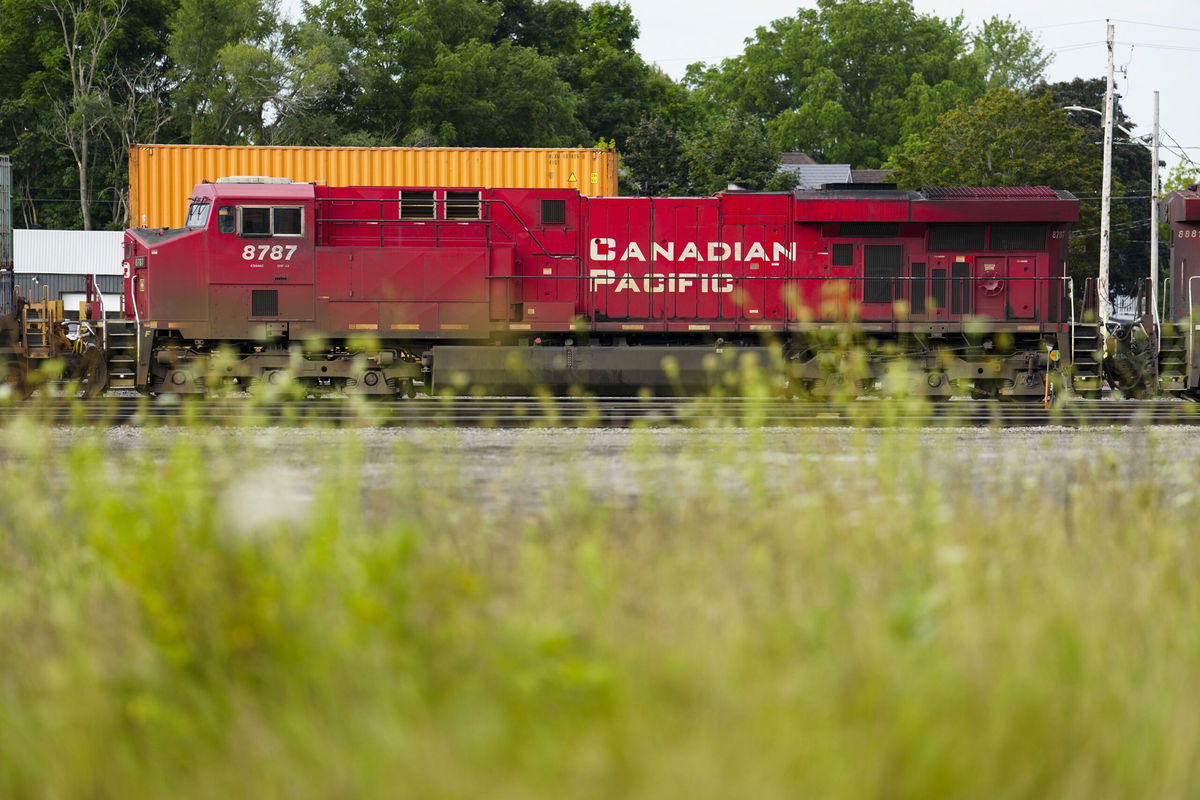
<point x="594" y="412"/>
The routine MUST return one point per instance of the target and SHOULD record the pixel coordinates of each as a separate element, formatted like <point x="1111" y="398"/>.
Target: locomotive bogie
<point x="190" y="368"/>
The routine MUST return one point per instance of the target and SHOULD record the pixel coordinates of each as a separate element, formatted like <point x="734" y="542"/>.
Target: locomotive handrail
<point x="103" y="313"/>
<point x="137" y="329"/>
<point x="1071" y="300"/>
<point x="1191" y="320"/>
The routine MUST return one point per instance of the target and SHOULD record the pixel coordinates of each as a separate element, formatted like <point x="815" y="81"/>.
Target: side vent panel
<point x="264" y="303"/>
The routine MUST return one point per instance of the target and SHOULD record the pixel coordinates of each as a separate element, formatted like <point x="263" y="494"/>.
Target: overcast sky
<point x="1157" y="44"/>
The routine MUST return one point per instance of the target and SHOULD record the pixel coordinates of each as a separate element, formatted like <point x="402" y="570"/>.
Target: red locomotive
<point x="1178" y="366"/>
<point x="375" y="290"/>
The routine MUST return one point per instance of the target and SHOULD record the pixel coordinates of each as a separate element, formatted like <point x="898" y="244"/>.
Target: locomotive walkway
<point x="597" y="412"/>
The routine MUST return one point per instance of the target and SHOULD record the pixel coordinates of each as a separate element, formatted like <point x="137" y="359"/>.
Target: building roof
<point x="67" y="252"/>
<point x="796" y="158"/>
<point x="813" y="176"/>
<point x="871" y="175"/>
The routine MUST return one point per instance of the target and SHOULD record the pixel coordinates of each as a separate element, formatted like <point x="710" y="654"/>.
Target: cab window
<point x="255" y="221"/>
<point x="270" y="221"/>
<point x="226" y="219"/>
<point x="287" y="221"/>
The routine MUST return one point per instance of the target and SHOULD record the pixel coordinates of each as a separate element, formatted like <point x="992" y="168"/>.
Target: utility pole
<point x="1154" y="218"/>
<point x="1106" y="194"/>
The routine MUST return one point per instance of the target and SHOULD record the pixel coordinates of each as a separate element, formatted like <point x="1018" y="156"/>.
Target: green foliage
<point x="847" y="81"/>
<point x="1003" y="139"/>
<point x="313" y="613"/>
<point x="1182" y="176"/>
<point x="496" y="95"/>
<point x="730" y="149"/>
<point x="655" y="158"/>
<point x="225" y="69"/>
<point x="1009" y="55"/>
<point x="78" y="75"/>
<point x="408" y="55"/>
<point x="839" y="81"/>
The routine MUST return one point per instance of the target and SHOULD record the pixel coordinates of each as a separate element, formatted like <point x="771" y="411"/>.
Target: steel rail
<point x="601" y="412"/>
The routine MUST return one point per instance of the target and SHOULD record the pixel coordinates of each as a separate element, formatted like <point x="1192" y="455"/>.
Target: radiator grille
<point x="264" y="303"/>
<point x="1019" y="237"/>
<point x="881" y="266"/>
<point x="869" y="229"/>
<point x="918" y="288"/>
<point x="956" y="237"/>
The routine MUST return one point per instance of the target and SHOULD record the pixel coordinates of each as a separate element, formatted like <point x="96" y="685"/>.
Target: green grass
<point x="825" y="614"/>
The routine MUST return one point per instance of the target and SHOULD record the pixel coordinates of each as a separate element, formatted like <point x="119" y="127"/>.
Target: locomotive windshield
<point x="197" y="216"/>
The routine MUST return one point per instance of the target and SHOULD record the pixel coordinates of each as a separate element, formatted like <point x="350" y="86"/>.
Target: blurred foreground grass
<point x="837" y="614"/>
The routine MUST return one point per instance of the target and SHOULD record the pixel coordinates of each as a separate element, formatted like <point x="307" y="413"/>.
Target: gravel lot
<point x="514" y="471"/>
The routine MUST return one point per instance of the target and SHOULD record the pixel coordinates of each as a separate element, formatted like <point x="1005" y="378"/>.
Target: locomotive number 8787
<point x="381" y="289"/>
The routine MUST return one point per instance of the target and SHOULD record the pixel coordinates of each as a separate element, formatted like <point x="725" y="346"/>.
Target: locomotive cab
<point x="240" y="269"/>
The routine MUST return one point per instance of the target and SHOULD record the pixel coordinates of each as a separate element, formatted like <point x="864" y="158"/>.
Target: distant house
<point x="812" y="175"/>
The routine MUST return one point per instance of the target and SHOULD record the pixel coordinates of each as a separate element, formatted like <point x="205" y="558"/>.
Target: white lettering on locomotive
<point x="277" y="252"/>
<point x="715" y="283"/>
<point x="608" y="255"/>
<point x="605" y="249"/>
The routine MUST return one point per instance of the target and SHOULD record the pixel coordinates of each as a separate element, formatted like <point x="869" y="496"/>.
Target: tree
<point x="87" y="28"/>
<point x="225" y="68"/>
<point x="1009" y="55"/>
<point x="656" y="159"/>
<point x="318" y="89"/>
<point x="496" y="95"/>
<point x="1007" y="139"/>
<point x="615" y="87"/>
<point x="1130" y="252"/>
<point x="393" y="47"/>
<point x="1182" y="176"/>
<point x="732" y="148"/>
<point x="64" y="92"/>
<point x="840" y="81"/>
<point x="140" y="109"/>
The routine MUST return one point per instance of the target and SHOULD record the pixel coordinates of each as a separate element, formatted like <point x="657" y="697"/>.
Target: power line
<point x="1173" y="47"/>
<point x="1065" y="24"/>
<point x="1151" y="25"/>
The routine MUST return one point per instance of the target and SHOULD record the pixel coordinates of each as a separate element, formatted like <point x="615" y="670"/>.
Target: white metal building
<point x="61" y="260"/>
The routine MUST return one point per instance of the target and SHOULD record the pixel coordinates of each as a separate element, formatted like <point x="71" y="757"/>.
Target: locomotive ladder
<point x="1172" y="358"/>
<point x="1087" y="346"/>
<point x="1087" y="360"/>
<point x="121" y="334"/>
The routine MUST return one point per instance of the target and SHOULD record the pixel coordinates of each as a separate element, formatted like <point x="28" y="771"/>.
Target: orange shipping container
<point x="161" y="176"/>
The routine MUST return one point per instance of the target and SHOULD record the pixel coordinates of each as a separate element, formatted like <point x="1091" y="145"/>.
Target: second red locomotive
<point x="378" y="290"/>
